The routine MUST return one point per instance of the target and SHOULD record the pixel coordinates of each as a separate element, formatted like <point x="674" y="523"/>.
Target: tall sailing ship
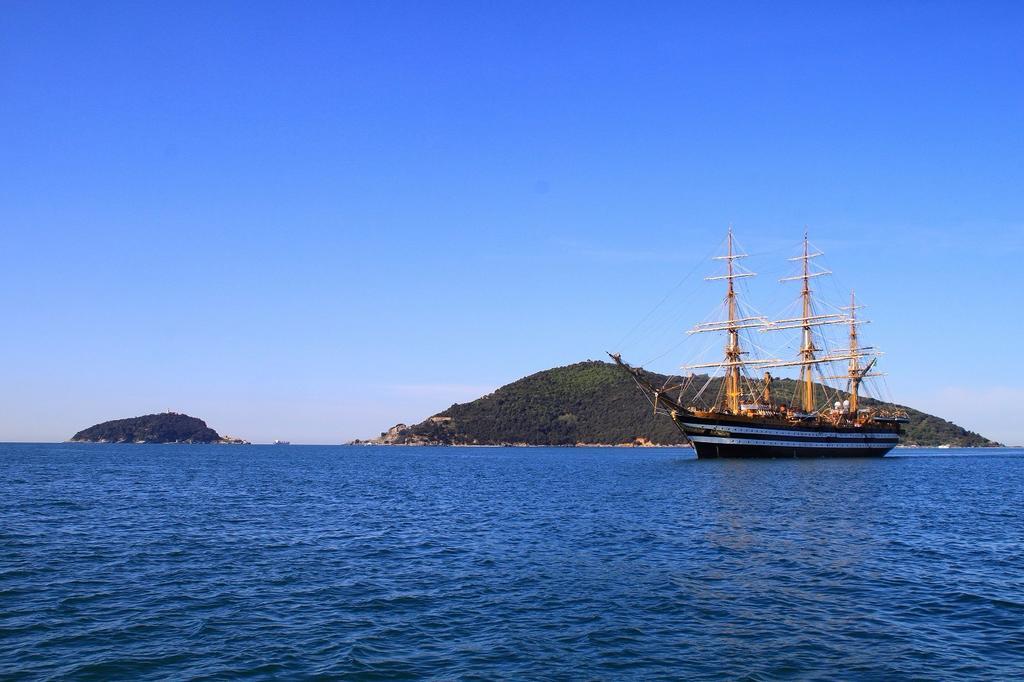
<point x="745" y="419"/>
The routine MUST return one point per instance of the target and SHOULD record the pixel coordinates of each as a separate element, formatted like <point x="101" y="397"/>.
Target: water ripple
<point x="156" y="562"/>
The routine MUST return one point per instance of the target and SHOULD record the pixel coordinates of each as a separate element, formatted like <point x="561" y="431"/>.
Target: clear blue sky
<point x="311" y="221"/>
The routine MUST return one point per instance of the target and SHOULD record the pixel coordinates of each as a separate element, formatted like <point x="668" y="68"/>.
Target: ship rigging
<point x="747" y="419"/>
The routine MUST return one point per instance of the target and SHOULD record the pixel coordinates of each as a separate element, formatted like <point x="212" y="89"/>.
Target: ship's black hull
<point x="746" y="439"/>
<point x="717" y="451"/>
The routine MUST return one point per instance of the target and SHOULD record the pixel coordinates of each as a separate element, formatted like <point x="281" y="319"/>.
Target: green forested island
<point x="168" y="427"/>
<point x="596" y="403"/>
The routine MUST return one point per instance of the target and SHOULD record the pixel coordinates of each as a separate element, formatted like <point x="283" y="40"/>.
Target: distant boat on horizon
<point x="744" y="420"/>
<point x="281" y="442"/>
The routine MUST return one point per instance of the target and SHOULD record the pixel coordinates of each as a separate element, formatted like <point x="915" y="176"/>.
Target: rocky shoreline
<point x="404" y="435"/>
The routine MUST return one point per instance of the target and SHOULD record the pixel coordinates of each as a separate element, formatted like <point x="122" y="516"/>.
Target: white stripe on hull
<point x="789" y="443"/>
<point x="785" y="432"/>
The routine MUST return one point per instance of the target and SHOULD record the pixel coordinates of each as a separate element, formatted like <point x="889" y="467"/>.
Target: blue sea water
<point x="217" y="562"/>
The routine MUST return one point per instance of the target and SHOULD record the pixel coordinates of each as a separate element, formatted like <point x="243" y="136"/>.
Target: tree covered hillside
<point x="596" y="402"/>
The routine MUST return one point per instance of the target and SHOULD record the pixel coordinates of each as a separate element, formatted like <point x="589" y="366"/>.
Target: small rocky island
<point x="168" y="427"/>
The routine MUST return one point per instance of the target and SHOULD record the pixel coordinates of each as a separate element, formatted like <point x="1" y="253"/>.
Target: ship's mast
<point x="805" y="323"/>
<point x="734" y="322"/>
<point x="732" y="346"/>
<point x="854" y="355"/>
<point x="856" y="373"/>
<point x="807" y="347"/>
